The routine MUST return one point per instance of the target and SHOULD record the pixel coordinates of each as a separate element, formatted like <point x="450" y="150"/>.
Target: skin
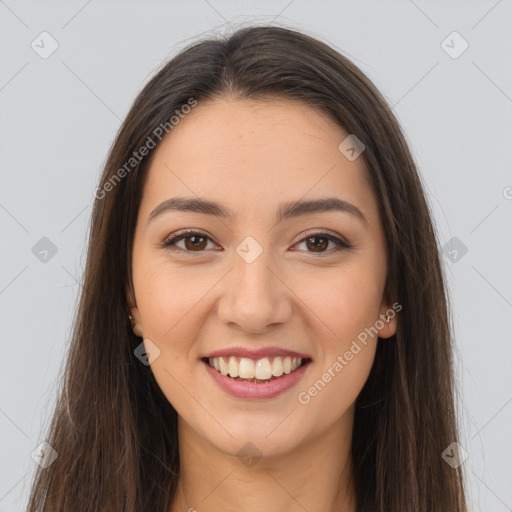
<point x="251" y="156"/>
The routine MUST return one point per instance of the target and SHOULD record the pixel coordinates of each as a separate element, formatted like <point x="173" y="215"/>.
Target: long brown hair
<point x="113" y="429"/>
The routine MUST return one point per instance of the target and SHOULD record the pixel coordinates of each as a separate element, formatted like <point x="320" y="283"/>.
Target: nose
<point x="255" y="297"/>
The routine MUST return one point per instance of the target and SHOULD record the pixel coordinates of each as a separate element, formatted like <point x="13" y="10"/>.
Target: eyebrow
<point x="288" y="210"/>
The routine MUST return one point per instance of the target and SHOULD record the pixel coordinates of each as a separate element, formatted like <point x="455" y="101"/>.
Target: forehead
<point x="253" y="154"/>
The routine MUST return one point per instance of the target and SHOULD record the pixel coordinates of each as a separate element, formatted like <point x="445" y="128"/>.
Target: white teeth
<point x="233" y="366"/>
<point x="246" y="368"/>
<point x="277" y="367"/>
<point x="287" y="365"/>
<point x="224" y="369"/>
<point x="261" y="369"/>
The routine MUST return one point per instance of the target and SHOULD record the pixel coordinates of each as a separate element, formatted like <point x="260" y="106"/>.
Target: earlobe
<point x="135" y="321"/>
<point x="387" y="323"/>
<point x="389" y="329"/>
<point x="133" y="312"/>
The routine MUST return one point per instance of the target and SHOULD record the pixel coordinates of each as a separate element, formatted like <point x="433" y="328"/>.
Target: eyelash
<point x="188" y="233"/>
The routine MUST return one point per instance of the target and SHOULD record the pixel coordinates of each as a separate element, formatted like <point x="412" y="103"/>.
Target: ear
<point x="387" y="322"/>
<point x="134" y="312"/>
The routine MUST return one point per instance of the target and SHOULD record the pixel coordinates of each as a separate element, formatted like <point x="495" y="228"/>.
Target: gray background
<point x="59" y="116"/>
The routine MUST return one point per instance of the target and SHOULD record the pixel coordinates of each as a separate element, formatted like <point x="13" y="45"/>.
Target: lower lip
<point x="256" y="390"/>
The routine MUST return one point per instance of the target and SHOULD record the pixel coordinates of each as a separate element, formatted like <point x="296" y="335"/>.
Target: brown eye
<point x="195" y="242"/>
<point x="192" y="242"/>
<point x="318" y="244"/>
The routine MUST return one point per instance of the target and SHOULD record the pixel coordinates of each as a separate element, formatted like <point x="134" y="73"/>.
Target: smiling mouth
<point x="261" y="370"/>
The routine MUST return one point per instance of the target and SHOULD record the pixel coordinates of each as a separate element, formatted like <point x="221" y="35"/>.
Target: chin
<point x="258" y="438"/>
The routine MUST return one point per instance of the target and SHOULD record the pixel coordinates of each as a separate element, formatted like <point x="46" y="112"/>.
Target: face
<point x="287" y="295"/>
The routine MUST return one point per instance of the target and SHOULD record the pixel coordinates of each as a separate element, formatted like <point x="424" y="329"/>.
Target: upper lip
<point x="256" y="353"/>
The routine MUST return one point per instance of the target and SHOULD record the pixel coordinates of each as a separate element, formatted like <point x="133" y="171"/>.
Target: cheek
<point x="345" y="301"/>
<point x="347" y="305"/>
<point x="167" y="298"/>
<point x="334" y="388"/>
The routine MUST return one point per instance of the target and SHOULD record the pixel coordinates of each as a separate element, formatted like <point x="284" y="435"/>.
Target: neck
<point x="315" y="476"/>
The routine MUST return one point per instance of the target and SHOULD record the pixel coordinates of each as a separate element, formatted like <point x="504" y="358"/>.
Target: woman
<point x="263" y="323"/>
